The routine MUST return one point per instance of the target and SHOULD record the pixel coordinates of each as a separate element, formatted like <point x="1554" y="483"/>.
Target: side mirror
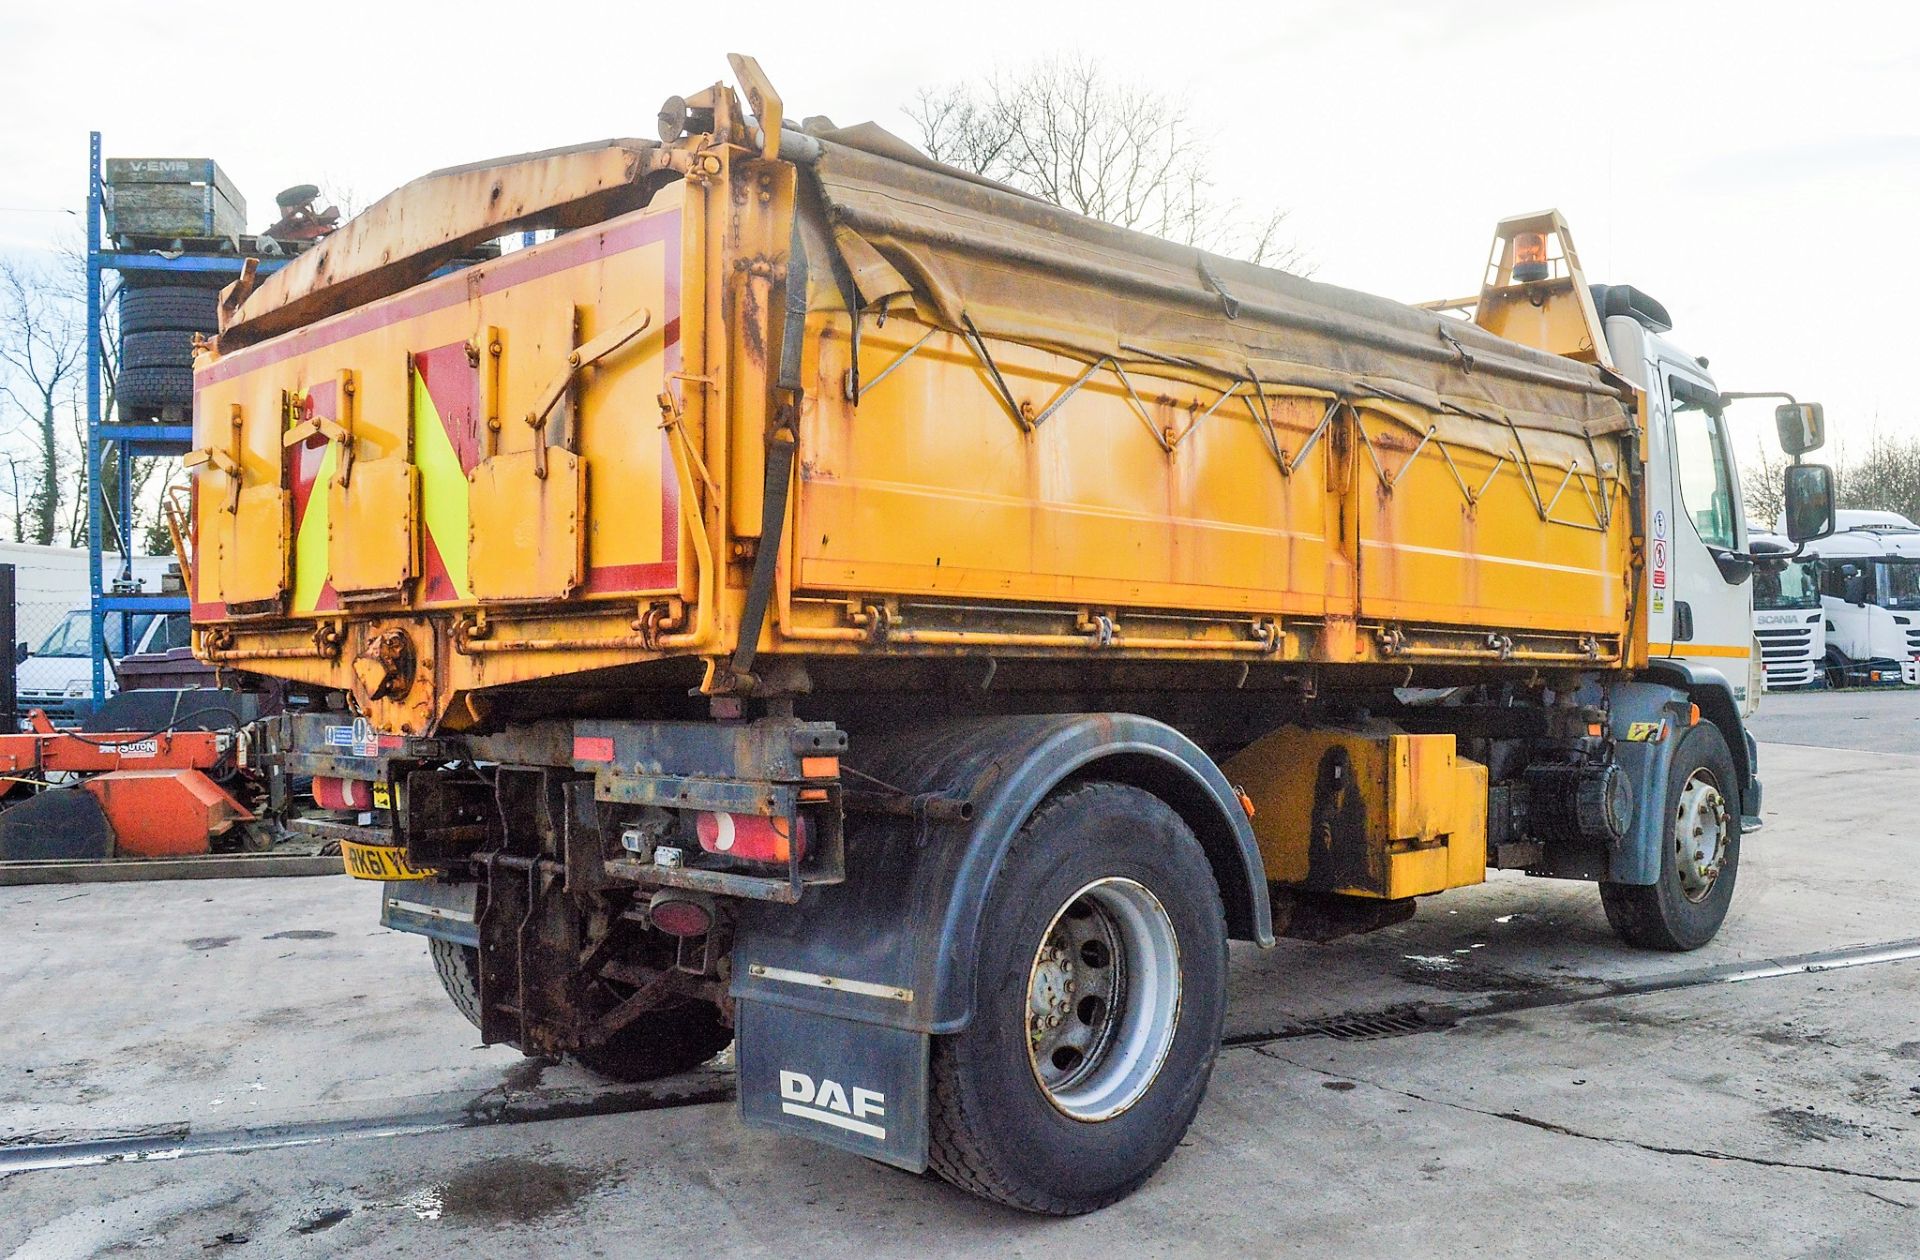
<point x="21" y="652"/>
<point x="1803" y="427"/>
<point x="1809" y="496"/>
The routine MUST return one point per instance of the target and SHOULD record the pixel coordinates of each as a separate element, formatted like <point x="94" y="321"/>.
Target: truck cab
<point x="1869" y="582"/>
<point x="1789" y="620"/>
<point x="1699" y="571"/>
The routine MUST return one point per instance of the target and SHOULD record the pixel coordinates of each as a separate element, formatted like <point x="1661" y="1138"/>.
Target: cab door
<point x="1708" y="574"/>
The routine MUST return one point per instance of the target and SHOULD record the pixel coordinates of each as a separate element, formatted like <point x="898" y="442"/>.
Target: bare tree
<point x="1763" y="483"/>
<point x="43" y="347"/>
<point x="1065" y="130"/>
<point x="1886" y="477"/>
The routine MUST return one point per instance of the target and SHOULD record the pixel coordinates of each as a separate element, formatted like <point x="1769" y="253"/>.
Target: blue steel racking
<point x="130" y="441"/>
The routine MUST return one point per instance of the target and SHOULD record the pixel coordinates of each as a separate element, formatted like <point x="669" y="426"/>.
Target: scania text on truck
<point x="831" y="603"/>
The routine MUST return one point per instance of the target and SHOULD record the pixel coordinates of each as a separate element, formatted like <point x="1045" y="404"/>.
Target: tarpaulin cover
<point x="962" y="249"/>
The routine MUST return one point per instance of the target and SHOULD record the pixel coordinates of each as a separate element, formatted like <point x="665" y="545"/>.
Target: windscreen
<point x="74" y="635"/>
<point x="1900" y="584"/>
<point x="1798" y="586"/>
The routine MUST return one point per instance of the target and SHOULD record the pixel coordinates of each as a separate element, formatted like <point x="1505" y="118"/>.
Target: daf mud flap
<point x="856" y="1086"/>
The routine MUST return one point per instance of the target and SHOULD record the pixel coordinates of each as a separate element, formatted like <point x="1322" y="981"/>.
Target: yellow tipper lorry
<point x="827" y="602"/>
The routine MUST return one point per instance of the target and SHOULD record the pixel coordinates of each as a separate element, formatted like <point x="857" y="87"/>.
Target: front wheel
<point x="1099" y="1004"/>
<point x="1699" y="856"/>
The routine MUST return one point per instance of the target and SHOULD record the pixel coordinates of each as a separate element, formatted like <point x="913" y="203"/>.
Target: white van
<point x="56" y="675"/>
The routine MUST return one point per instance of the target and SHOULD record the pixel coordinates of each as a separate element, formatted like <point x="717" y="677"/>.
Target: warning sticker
<point x="1657" y="578"/>
<point x="358" y="739"/>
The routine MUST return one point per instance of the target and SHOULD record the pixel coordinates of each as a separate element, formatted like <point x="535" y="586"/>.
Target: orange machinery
<point x="68" y="794"/>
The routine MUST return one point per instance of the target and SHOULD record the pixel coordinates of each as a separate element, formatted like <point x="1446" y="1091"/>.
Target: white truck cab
<point x="1869" y="581"/>
<point x="1789" y="621"/>
<point x="1699" y="570"/>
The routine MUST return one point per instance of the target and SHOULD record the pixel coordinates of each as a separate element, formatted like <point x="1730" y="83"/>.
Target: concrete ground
<point x="1881" y="719"/>
<point x="1566" y="1101"/>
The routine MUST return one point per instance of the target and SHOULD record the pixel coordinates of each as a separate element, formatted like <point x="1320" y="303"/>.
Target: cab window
<point x="1851" y="580"/>
<point x="1700" y="459"/>
<point x="176" y="631"/>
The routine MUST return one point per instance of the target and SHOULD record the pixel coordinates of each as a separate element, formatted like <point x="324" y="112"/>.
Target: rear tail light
<point x="754" y="837"/>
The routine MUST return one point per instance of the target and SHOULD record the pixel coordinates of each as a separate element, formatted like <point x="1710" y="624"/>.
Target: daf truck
<point x="827" y="602"/>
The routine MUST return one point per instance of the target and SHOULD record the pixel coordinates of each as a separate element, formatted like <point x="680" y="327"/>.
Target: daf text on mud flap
<point x="829" y="1102"/>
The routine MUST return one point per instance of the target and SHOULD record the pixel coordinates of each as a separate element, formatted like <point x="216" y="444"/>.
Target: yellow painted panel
<point x="610" y="419"/>
<point x="931" y="485"/>
<point x="252" y="544"/>
<point x="1373" y="813"/>
<point x="1416" y="872"/>
<point x="371" y="541"/>
<point x="526" y="537"/>
<point x="1467" y="843"/>
<point x="1460" y="537"/>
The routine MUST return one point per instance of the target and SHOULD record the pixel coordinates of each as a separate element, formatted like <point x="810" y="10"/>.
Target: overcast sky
<point x="1756" y="166"/>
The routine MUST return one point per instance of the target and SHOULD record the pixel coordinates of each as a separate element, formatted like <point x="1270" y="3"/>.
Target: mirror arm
<point x="1762" y="393"/>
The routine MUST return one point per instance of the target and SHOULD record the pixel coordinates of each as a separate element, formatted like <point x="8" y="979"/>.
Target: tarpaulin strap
<point x="1466" y="355"/>
<point x="793" y="331"/>
<point x="979" y="348"/>
<point x="1229" y="304"/>
<point x="773" y="518"/>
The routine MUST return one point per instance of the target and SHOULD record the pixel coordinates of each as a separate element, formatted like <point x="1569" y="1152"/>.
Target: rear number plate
<point x="379" y="861"/>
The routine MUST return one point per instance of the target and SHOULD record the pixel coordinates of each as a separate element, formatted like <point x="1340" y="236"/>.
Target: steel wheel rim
<point x="1103" y="999"/>
<point x="1699" y="835"/>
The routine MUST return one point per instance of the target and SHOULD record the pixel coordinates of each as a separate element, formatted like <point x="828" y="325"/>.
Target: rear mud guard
<point x="844" y="990"/>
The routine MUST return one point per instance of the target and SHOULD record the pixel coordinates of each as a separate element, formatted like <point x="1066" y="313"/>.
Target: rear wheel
<point x="459" y="969"/>
<point x="1101" y="993"/>
<point x="1699" y="856"/>
<point x="662" y="1042"/>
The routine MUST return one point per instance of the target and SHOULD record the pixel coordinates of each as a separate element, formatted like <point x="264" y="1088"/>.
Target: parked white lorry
<point x="1789" y="622"/>
<point x="1869" y="575"/>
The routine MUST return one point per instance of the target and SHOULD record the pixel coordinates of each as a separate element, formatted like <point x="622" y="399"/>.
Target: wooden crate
<point x="172" y="198"/>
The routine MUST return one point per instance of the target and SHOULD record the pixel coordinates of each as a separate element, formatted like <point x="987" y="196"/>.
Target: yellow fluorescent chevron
<point x="310" y="548"/>
<point x="443" y="487"/>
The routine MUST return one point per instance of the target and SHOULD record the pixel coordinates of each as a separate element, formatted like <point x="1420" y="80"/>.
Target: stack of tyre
<point x="157" y="324"/>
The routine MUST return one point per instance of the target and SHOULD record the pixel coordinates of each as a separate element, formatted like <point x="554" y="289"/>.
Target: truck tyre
<point x="1098" y="1006"/>
<point x="660" y="1043"/>
<point x="1699" y="854"/>
<point x="167" y="307"/>
<point x="155" y="386"/>
<point x="164" y="349"/>
<point x="459" y="969"/>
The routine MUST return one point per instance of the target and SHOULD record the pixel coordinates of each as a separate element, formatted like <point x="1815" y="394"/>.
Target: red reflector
<point x="593" y="748"/>
<point x="332" y="793"/>
<point x="751" y="836"/>
<point x="677" y="917"/>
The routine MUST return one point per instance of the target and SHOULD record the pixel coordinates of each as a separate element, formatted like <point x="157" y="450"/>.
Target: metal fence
<point x="50" y="636"/>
